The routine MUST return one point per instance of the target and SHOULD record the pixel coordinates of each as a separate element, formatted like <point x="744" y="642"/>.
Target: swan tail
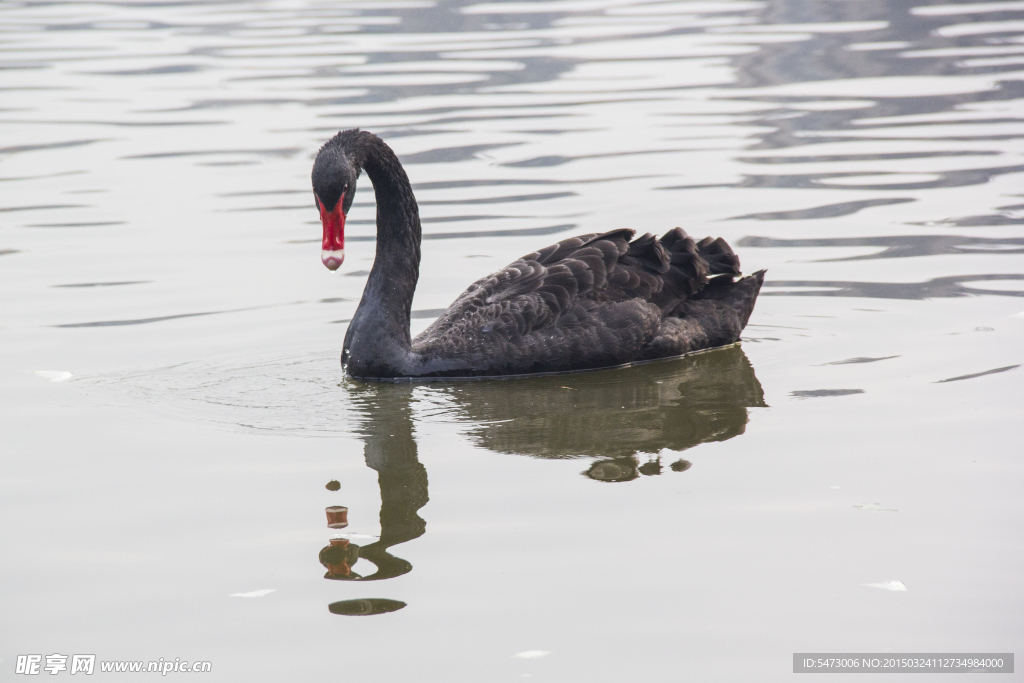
<point x="714" y="317"/>
<point x="739" y="295"/>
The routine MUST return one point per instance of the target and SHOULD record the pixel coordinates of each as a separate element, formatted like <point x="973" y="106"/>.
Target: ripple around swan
<point x="245" y="395"/>
<point x="672" y="405"/>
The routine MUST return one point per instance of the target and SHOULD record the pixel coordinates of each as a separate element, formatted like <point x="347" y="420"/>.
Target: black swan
<point x="587" y="302"/>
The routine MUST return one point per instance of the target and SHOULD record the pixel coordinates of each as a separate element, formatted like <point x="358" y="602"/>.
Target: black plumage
<point x="587" y="302"/>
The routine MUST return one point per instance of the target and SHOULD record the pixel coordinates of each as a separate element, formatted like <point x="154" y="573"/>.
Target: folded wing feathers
<point x="542" y="287"/>
<point x="719" y="255"/>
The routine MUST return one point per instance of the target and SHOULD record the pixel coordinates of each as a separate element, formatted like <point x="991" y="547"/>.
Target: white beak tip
<point x="332" y="259"/>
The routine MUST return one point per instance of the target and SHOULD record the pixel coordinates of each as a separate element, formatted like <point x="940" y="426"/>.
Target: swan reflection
<point x="386" y="427"/>
<point x="629" y="468"/>
<point x="614" y="417"/>
<point x="365" y="606"/>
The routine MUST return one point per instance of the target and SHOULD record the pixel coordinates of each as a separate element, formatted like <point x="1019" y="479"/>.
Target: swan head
<point x="334" y="186"/>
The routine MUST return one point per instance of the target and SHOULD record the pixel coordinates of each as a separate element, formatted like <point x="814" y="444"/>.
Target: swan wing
<point x="587" y="301"/>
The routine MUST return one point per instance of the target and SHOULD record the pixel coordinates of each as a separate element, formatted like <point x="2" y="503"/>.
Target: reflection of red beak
<point x="337" y="515"/>
<point x="334" y="234"/>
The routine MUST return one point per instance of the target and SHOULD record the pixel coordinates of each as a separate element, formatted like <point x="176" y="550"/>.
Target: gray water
<point x="847" y="479"/>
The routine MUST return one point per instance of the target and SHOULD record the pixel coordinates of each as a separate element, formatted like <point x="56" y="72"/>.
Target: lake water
<point x="847" y="479"/>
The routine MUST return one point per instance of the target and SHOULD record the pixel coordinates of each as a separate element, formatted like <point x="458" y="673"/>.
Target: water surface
<point x="173" y="406"/>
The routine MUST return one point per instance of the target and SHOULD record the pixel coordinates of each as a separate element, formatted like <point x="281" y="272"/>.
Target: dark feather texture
<point x="593" y="301"/>
<point x="587" y="302"/>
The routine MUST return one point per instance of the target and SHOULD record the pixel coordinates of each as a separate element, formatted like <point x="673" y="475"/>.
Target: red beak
<point x="334" y="234"/>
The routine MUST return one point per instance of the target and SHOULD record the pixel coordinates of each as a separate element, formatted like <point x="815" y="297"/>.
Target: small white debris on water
<point x="888" y="585"/>
<point x="833" y="487"/>
<point x="54" y="375"/>
<point x="873" y="507"/>
<point x="254" y="594"/>
<point x="532" y="654"/>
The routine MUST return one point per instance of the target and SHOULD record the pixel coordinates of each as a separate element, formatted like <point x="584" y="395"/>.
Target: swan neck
<point x="379" y="332"/>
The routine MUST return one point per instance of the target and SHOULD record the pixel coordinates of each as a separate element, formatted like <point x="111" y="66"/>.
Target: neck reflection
<point x="390" y="449"/>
